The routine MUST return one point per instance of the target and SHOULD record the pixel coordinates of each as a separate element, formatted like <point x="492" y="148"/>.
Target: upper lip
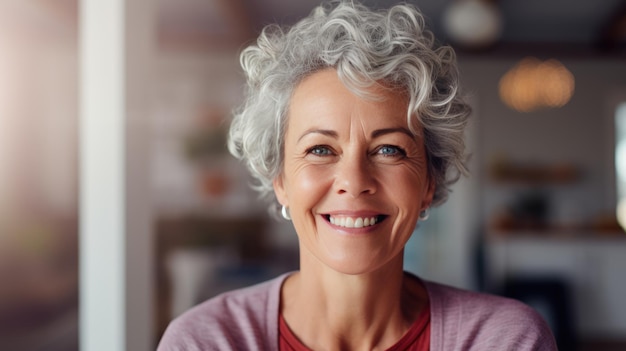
<point x="353" y="213"/>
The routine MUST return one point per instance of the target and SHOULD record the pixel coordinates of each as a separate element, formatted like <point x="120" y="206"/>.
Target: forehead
<point x="322" y="96"/>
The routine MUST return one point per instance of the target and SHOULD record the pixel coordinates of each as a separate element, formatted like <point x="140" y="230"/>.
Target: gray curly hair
<point x="366" y="47"/>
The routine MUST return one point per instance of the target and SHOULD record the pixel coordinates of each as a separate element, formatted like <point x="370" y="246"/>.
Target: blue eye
<point x="390" y="150"/>
<point x="320" y="150"/>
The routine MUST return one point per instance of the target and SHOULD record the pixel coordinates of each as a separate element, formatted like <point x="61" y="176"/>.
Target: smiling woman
<point x="353" y="126"/>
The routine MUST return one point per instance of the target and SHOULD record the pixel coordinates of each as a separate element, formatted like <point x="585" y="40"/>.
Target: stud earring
<point x="285" y="212"/>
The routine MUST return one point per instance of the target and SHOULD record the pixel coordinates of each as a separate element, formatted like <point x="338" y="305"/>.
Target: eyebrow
<point x="379" y="132"/>
<point x="375" y="134"/>
<point x="327" y="132"/>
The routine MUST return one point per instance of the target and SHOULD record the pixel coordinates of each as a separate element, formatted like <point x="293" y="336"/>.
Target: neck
<point x="327" y="309"/>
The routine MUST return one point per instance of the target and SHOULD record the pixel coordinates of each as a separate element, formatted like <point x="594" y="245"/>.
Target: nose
<point x="354" y="176"/>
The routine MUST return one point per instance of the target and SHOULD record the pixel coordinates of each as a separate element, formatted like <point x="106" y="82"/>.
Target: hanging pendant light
<point x="473" y="24"/>
<point x="533" y="84"/>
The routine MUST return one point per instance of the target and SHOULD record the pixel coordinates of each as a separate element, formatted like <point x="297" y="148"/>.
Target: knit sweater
<point x="247" y="319"/>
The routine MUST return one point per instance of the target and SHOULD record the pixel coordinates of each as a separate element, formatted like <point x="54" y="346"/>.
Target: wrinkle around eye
<point x="415" y="161"/>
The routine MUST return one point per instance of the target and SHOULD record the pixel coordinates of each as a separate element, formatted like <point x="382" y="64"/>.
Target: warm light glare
<point x="620" y="163"/>
<point x="533" y="84"/>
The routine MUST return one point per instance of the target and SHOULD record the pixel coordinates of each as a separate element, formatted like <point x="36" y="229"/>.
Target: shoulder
<point x="240" y="319"/>
<point x="467" y="320"/>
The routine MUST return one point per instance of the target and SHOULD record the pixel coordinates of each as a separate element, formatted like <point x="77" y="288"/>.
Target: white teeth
<point x="358" y="223"/>
<point x="349" y="222"/>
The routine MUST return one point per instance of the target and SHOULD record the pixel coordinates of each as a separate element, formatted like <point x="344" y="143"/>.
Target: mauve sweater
<point x="247" y="319"/>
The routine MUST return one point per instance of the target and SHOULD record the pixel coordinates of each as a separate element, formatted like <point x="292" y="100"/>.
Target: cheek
<point x="406" y="186"/>
<point x="309" y="183"/>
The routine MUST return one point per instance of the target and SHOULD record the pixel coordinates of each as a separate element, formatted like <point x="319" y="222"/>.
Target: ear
<point x="430" y="193"/>
<point x="280" y="191"/>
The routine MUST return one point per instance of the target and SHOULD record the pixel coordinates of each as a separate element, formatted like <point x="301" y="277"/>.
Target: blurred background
<point x="538" y="220"/>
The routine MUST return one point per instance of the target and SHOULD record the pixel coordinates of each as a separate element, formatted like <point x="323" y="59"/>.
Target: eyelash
<point x="314" y="150"/>
<point x="399" y="152"/>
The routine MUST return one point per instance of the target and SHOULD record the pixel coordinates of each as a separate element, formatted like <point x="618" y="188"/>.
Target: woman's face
<point x="354" y="178"/>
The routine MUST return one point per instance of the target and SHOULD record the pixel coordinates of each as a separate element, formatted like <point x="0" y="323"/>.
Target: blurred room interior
<point x="538" y="220"/>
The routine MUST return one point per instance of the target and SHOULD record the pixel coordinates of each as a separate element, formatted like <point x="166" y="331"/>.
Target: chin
<point x="361" y="264"/>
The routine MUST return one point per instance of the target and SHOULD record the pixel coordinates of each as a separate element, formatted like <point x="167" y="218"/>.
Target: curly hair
<point x="366" y="47"/>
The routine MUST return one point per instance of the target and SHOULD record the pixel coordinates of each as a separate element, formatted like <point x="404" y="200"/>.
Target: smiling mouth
<point x="354" y="222"/>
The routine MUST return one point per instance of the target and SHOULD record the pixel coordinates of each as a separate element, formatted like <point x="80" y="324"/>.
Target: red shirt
<point x="417" y="338"/>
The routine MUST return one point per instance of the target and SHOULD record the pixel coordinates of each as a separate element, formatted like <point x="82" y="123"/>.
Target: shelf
<point x="511" y="172"/>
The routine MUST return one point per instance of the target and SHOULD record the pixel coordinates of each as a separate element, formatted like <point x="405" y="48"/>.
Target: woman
<point x="353" y="126"/>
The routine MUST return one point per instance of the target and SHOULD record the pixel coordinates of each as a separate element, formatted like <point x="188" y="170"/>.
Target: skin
<point x="350" y="157"/>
